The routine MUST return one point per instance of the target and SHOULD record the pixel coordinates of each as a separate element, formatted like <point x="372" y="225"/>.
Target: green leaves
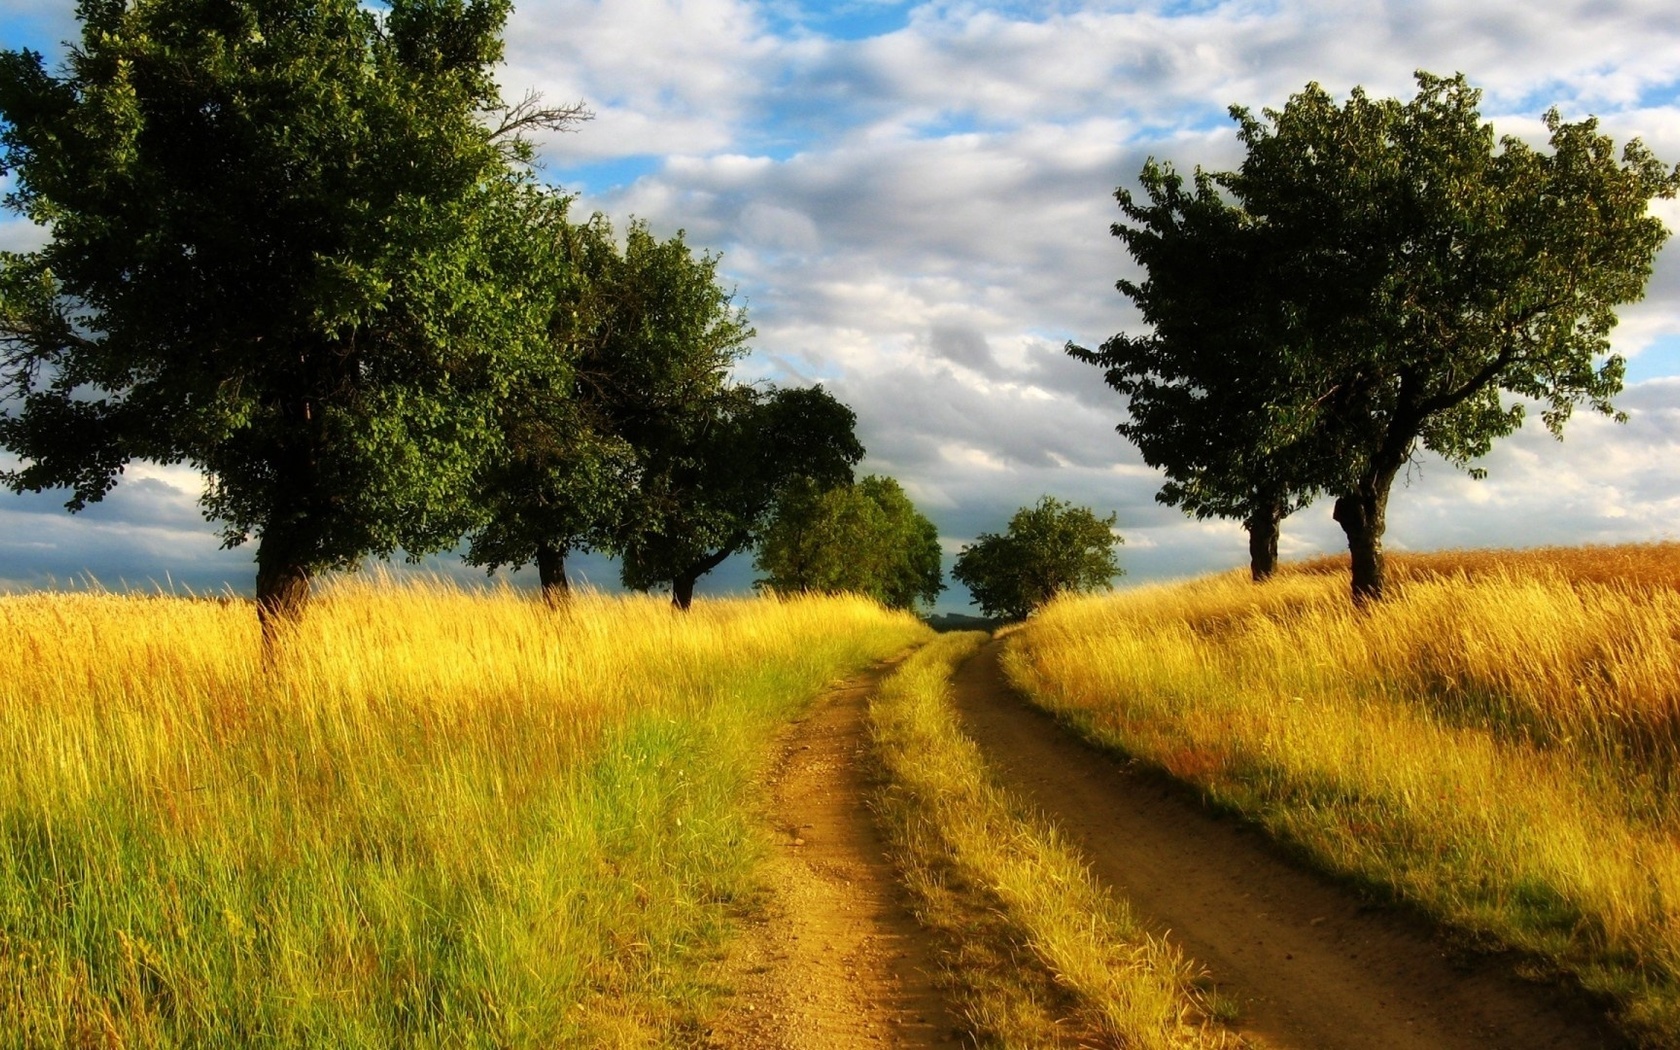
<point x="1376" y="277"/>
<point x="286" y="249"/>
<point x="866" y="538"/>
<point x="1215" y="392"/>
<point x="713" y="496"/>
<point x="1050" y="548"/>
<point x="625" y="434"/>
<point x="1448" y="268"/>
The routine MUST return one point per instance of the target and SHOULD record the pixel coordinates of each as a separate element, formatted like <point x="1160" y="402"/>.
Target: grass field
<point x="440" y="818"/>
<point x="1499" y="743"/>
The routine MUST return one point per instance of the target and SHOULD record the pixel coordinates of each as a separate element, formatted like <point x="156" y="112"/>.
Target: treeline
<point x="298" y="245"/>
<point x="1377" y="278"/>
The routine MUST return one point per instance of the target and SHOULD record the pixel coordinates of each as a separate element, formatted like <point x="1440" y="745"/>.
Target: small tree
<point x="866" y="539"/>
<point x="640" y="344"/>
<point x="1048" y="549"/>
<point x="1214" y="391"/>
<point x="1428" y="273"/>
<point x="286" y="248"/>
<point x="701" y="502"/>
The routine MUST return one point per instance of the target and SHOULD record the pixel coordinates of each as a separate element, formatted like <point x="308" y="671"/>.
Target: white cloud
<point x="664" y="76"/>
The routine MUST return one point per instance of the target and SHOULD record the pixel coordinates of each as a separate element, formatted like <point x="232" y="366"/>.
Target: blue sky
<point x="913" y="200"/>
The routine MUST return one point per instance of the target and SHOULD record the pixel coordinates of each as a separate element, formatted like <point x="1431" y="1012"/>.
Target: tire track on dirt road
<point x="837" y="961"/>
<point x="1309" y="966"/>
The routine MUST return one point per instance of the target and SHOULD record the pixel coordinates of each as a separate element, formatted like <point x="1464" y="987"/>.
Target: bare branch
<point x="529" y="114"/>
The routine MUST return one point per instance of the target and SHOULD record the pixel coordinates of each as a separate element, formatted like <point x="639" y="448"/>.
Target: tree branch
<point x="529" y="114"/>
<point x="1452" y="399"/>
<point x="736" y="542"/>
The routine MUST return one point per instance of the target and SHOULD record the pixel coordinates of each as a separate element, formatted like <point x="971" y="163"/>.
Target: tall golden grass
<point x="437" y="818"/>
<point x="1646" y="565"/>
<point x="1499" y="742"/>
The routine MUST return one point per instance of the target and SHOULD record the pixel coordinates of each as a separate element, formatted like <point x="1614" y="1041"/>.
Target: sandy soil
<point x="837" y="962"/>
<point x="1309" y="965"/>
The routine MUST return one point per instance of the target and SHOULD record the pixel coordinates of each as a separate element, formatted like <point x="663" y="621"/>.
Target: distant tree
<point x="703" y="501"/>
<point x="1429" y="273"/>
<point x="640" y="345"/>
<point x="1051" y="548"/>
<point x="285" y="247"/>
<point x="1214" y="391"/>
<point x="866" y="539"/>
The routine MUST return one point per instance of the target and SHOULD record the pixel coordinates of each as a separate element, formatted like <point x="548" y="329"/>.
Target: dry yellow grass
<point x="440" y="818"/>
<point x="1646" y="565"/>
<point x="1499" y="742"/>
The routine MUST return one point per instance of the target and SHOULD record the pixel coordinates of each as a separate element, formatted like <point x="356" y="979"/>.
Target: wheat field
<point x="437" y="817"/>
<point x="1498" y="743"/>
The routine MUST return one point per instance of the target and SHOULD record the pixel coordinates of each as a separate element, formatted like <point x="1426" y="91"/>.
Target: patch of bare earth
<point x="835" y="960"/>
<point x="1307" y="963"/>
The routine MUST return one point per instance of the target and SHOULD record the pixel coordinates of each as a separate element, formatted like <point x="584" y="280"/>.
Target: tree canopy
<point x="1403" y="281"/>
<point x="866" y="538"/>
<point x="1051" y="548"/>
<point x="287" y="248"/>
<point x="636" y="374"/>
<point x="1442" y="279"/>
<point x="706" y="499"/>
<point x="1214" y="389"/>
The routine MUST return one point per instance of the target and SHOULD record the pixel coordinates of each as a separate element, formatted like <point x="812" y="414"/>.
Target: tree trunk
<point x="287" y="554"/>
<point x="1363" y="516"/>
<point x="682" y="587"/>
<point x="682" y="590"/>
<point x="282" y="591"/>
<point x="1263" y="527"/>
<point x="551" y="570"/>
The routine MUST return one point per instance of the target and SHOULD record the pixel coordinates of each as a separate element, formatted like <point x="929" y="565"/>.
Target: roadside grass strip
<point x="1038" y="954"/>
<point x="440" y="818"/>
<point x="1497" y="743"/>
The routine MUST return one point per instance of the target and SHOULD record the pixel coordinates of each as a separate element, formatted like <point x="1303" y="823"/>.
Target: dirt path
<point x="1309" y="967"/>
<point x="838" y="962"/>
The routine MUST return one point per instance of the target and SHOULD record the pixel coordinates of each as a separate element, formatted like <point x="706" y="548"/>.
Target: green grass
<point x="443" y="819"/>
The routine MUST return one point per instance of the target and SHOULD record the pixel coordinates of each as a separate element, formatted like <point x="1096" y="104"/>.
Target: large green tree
<point x="636" y="375"/>
<point x="1440" y="280"/>
<point x="1215" y="389"/>
<point x="866" y="538"/>
<point x="1050" y="548"/>
<point x="288" y="245"/>
<point x="703" y="500"/>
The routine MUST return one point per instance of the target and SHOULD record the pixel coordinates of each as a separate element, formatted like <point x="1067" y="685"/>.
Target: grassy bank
<point x="1038" y="954"/>
<point x="1499" y="743"/>
<point x="441" y="819"/>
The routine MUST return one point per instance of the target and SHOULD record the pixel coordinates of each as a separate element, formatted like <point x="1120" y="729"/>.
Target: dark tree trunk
<point x="1363" y="516"/>
<point x="682" y="590"/>
<point x="287" y="554"/>
<point x="282" y="590"/>
<point x="1263" y="527"/>
<point x="551" y="570"/>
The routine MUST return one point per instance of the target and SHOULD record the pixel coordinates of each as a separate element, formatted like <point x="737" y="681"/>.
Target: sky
<point x="913" y="202"/>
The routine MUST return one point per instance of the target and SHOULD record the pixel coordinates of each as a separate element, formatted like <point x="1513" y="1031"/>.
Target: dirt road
<point x="838" y="962"/>
<point x="1309" y="967"/>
